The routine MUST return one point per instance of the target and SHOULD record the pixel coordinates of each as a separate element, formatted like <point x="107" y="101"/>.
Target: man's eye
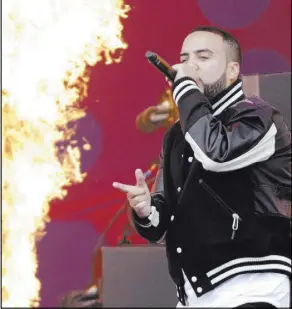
<point x="204" y="57"/>
<point x="183" y="60"/>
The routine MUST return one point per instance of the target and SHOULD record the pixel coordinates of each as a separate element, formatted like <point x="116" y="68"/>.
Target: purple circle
<point x="87" y="132"/>
<point x="263" y="61"/>
<point x="232" y="14"/>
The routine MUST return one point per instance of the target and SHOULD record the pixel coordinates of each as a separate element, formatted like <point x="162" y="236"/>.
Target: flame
<point x="47" y="47"/>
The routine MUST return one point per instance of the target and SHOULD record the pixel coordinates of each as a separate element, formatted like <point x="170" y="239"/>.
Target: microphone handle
<point x="168" y="72"/>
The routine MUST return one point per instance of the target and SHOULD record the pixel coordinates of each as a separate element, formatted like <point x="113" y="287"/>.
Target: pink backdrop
<point x="117" y="94"/>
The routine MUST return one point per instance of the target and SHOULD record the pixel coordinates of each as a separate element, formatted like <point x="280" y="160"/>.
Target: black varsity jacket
<point x="222" y="196"/>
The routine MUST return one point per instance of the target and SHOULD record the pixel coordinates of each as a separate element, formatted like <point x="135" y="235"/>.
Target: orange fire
<point x="47" y="48"/>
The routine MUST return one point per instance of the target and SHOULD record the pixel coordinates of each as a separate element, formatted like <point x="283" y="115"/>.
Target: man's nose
<point x="192" y="61"/>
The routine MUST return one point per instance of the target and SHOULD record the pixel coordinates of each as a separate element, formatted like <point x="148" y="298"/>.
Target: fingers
<point x="138" y="196"/>
<point x="187" y="70"/>
<point x="140" y="179"/>
<point x="135" y="201"/>
<point x="175" y="66"/>
<point x="140" y="189"/>
<point x="132" y="190"/>
<point x="142" y="209"/>
<point x="140" y="206"/>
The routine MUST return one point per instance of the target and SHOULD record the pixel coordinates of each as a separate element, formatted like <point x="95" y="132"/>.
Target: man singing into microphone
<point x="222" y="196"/>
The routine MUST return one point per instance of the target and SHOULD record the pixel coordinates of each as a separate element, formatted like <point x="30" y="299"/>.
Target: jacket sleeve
<point x="248" y="138"/>
<point x="154" y="227"/>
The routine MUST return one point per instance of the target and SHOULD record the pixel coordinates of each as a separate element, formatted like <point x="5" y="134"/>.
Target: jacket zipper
<point x="231" y="212"/>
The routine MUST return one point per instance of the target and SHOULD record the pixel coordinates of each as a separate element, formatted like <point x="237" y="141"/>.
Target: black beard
<point x="212" y="90"/>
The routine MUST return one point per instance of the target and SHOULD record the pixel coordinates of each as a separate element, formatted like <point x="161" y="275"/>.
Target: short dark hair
<point x="234" y="46"/>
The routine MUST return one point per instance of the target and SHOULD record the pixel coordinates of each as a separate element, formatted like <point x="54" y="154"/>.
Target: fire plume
<point x="47" y="47"/>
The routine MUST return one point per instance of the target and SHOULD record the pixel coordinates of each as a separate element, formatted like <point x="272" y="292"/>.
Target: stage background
<point x="119" y="92"/>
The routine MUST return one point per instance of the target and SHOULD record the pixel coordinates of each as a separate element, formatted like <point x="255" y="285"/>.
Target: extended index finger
<point x="133" y="190"/>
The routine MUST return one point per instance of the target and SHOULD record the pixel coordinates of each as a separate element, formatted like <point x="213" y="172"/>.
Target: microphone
<point x="161" y="65"/>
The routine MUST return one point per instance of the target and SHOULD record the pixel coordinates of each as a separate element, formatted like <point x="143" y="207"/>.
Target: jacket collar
<point x="227" y="98"/>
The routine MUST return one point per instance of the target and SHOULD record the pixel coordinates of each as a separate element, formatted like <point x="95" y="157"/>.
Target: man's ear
<point x="233" y="70"/>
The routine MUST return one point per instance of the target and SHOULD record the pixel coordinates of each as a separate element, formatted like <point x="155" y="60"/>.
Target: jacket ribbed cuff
<point x="183" y="87"/>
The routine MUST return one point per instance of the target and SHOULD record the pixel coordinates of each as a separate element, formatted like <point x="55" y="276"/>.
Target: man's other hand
<point x="138" y="195"/>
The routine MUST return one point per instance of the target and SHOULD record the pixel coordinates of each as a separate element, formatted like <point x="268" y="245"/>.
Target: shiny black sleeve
<point x="249" y="137"/>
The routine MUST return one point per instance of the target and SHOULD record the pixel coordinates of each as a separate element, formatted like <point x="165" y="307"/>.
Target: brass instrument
<point x="143" y="121"/>
<point x="173" y="112"/>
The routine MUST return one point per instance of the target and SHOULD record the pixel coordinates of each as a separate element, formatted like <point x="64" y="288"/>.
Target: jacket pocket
<point x="235" y="217"/>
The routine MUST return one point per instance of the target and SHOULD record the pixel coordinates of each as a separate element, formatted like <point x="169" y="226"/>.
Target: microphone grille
<point x="150" y="56"/>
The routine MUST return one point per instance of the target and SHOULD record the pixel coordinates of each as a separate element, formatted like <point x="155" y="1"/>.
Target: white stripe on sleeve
<point x="260" y="152"/>
<point x="250" y="268"/>
<point x="185" y="90"/>
<point x="181" y="85"/>
<point x="269" y="258"/>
